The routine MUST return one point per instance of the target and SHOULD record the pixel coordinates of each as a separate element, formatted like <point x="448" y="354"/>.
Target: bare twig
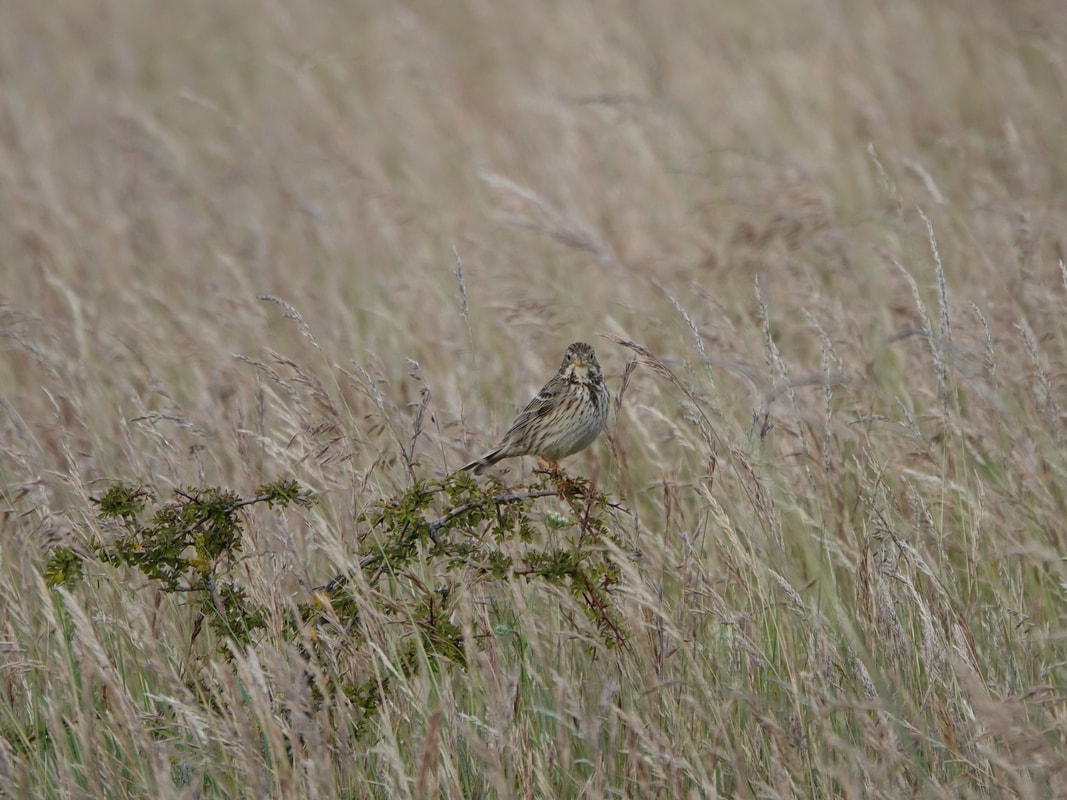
<point x="501" y="499"/>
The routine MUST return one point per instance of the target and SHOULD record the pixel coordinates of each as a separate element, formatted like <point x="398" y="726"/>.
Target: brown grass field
<point x="230" y="236"/>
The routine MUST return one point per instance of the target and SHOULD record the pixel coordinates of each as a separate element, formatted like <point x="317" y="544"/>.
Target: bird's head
<point x="580" y="364"/>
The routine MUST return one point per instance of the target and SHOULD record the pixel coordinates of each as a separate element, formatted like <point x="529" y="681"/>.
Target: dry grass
<point x="830" y="234"/>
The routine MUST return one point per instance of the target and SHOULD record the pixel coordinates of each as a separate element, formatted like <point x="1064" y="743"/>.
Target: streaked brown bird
<point x="565" y="416"/>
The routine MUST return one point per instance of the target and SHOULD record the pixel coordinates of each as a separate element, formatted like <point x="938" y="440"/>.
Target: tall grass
<point x="824" y="244"/>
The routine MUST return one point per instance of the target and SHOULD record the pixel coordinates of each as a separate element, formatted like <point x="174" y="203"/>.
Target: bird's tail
<point x="480" y="465"/>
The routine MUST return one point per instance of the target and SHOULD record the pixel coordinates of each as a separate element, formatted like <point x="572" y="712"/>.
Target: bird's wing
<point x="535" y="409"/>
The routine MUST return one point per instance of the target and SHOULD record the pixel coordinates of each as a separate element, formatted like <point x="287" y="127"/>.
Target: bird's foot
<point x="550" y="467"/>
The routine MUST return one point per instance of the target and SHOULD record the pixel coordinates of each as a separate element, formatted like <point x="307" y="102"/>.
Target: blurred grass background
<point x="838" y="229"/>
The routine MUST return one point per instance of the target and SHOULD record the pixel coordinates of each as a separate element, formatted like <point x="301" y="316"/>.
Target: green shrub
<point x="191" y="543"/>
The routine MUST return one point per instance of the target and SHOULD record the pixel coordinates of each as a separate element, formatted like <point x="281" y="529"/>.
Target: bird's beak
<point x="579" y="361"/>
